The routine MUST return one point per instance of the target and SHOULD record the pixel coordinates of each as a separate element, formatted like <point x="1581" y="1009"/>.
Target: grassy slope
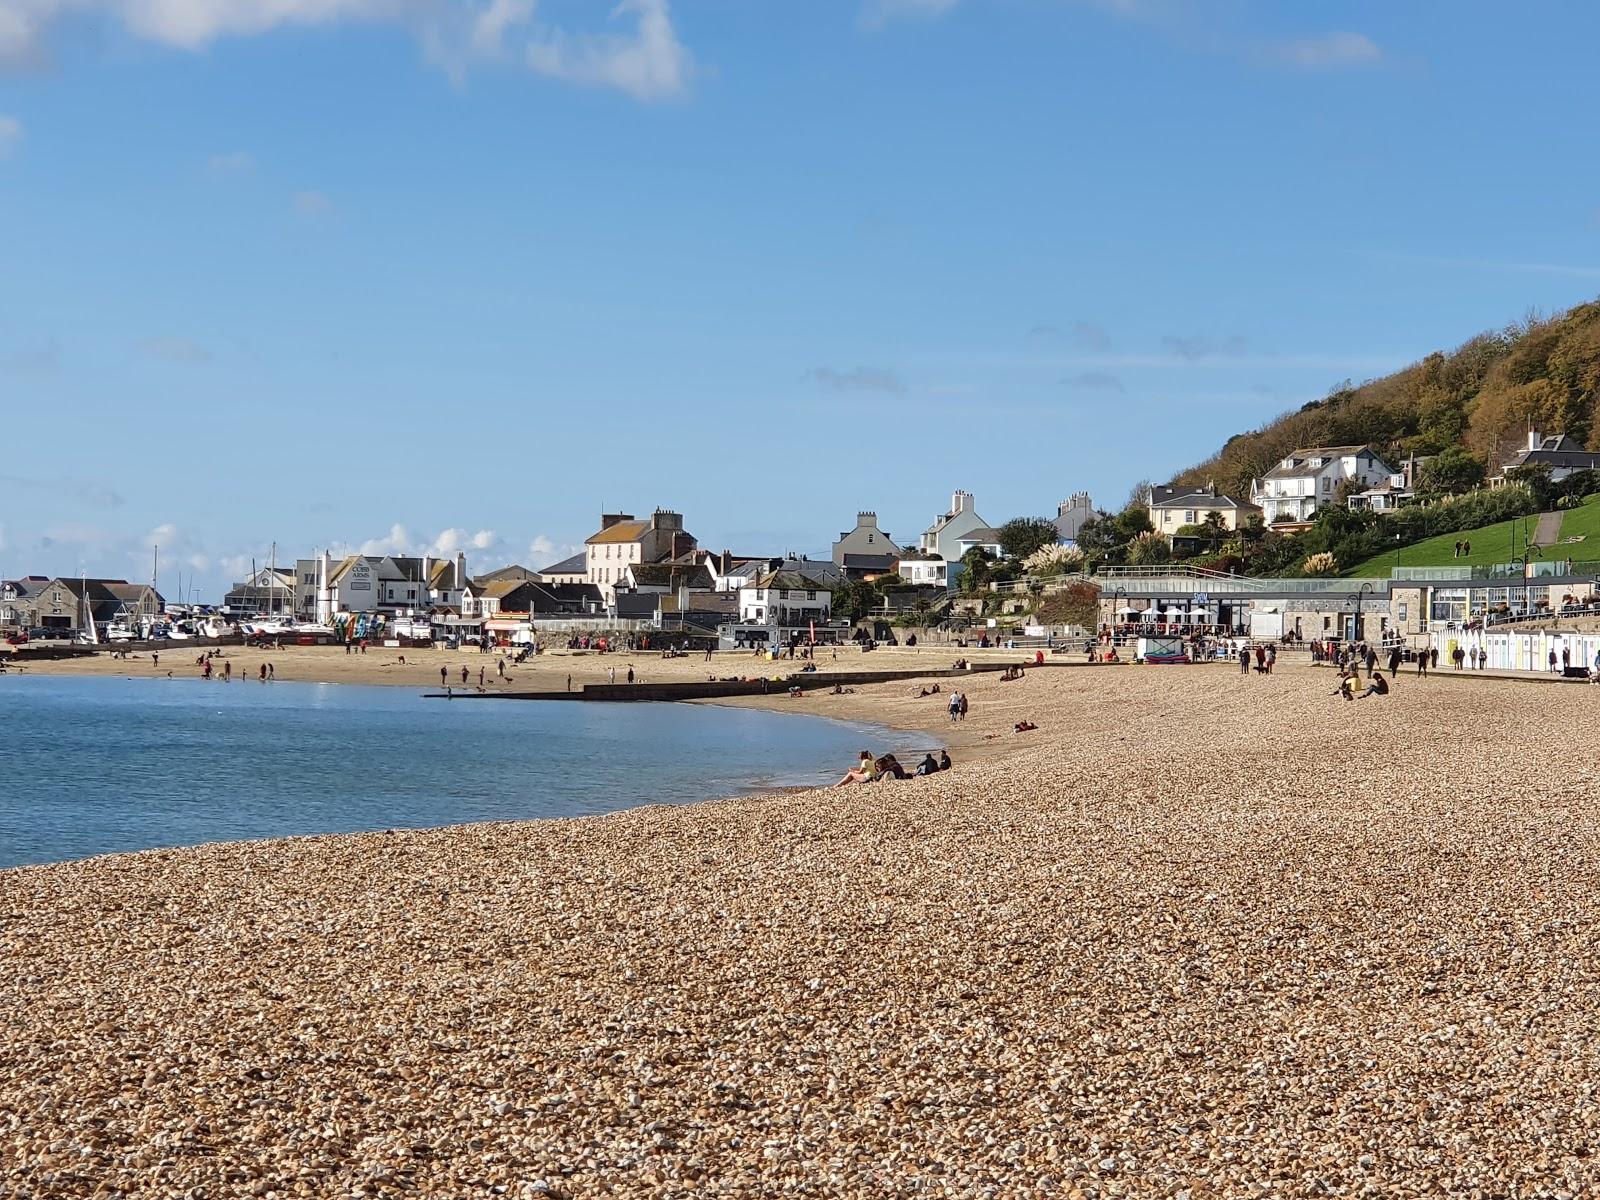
<point x="1491" y="544"/>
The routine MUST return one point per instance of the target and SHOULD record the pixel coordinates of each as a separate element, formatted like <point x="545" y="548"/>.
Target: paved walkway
<point x="1548" y="532"/>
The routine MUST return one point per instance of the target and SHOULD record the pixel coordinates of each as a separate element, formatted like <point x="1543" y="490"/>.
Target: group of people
<point x="958" y="707"/>
<point x="874" y="770"/>
<point x="1266" y="658"/>
<point x="210" y="670"/>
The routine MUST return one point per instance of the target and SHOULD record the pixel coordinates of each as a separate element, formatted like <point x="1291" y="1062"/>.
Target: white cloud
<point x="311" y="204"/>
<point x="449" y="542"/>
<point x="235" y="162"/>
<point x="10" y="128"/>
<point x="490" y="28"/>
<point x="1328" y="50"/>
<point x="649" y="64"/>
<point x="541" y="547"/>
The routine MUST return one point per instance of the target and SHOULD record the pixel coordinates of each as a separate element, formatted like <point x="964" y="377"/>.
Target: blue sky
<point x="412" y="274"/>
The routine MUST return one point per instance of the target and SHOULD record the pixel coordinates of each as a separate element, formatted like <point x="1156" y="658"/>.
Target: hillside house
<point x="962" y="523"/>
<point x="1171" y="508"/>
<point x="1563" y="455"/>
<point x="1293" y="490"/>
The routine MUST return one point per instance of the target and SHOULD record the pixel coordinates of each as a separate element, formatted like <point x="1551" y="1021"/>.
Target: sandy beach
<point x="1198" y="935"/>
<point x="547" y="672"/>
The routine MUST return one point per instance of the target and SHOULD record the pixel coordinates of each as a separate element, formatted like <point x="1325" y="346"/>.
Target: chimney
<point x="427" y="574"/>
<point x="324" y="597"/>
<point x="607" y="520"/>
<point x="960" y="502"/>
<point x="1533" y="438"/>
<point x="461" y="569"/>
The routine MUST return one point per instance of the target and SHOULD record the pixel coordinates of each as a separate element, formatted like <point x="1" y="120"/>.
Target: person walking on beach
<point x="1422" y="662"/>
<point x="611" y="674"/>
<point x="1433" y="658"/>
<point x="1566" y="660"/>
<point x="955" y="707"/>
<point x="155" y="661"/>
<point x="272" y="673"/>
<point x="1551" y="657"/>
<point x="963" y="706"/>
<point x="569" y="683"/>
<point x="463" y="676"/>
<point x="444" y="677"/>
<point x="480" y="676"/>
<point x="1272" y="658"/>
<point x="630" y="672"/>
<point x="1244" y="658"/>
<point x="227" y="671"/>
<point x="501" y="668"/>
<point x="1394" y="659"/>
<point x="263" y="676"/>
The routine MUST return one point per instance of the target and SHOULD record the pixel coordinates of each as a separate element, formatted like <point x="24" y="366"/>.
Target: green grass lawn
<point x="1492" y="544"/>
<point x="1583" y="522"/>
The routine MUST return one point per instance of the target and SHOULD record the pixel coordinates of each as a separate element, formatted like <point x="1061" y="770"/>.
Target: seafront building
<point x="1173" y="508"/>
<point x="865" y="550"/>
<point x="623" y="541"/>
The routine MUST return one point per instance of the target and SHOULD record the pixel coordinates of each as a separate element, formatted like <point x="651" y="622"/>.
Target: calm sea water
<point x="92" y="766"/>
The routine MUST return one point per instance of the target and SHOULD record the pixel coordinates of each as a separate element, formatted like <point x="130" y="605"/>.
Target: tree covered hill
<point x="1478" y="400"/>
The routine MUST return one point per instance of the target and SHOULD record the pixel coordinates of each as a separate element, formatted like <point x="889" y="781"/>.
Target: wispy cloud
<point x="1571" y="270"/>
<point x="1095" y="381"/>
<point x="235" y="162"/>
<point x="311" y="204"/>
<point x="11" y="133"/>
<point x="1193" y="29"/>
<point x="648" y="62"/>
<point x="1326" y="51"/>
<point x="1194" y="348"/>
<point x="875" y="14"/>
<point x="1084" y="334"/>
<point x="176" y="350"/>
<point x="41" y="359"/>
<point x="861" y="379"/>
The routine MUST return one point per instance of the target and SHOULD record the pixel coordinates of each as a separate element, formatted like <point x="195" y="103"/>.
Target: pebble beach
<point x="1197" y="935"/>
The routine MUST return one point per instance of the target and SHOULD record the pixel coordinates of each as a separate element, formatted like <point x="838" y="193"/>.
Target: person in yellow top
<point x="865" y="770"/>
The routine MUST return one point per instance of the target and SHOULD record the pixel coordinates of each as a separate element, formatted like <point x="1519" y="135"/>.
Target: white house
<point x="945" y="535"/>
<point x="784" y="598"/>
<point x="389" y="583"/>
<point x="1309" y="479"/>
<point x="1071" y="513"/>
<point x="931" y="572"/>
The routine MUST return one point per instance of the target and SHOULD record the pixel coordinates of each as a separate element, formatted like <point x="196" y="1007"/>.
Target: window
<point x="811" y="593"/>
<point x="1327" y="484"/>
<point x="1188" y="516"/>
<point x="1403" y="610"/>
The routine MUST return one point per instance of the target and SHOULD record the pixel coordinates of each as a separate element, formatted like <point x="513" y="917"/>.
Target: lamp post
<point x="1119" y="590"/>
<point x="1355" y="628"/>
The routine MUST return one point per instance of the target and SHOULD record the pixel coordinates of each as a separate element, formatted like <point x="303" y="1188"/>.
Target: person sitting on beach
<point x="1347" y="683"/>
<point x="928" y="766"/>
<point x="1024" y="727"/>
<point x="1378" y="687"/>
<point x="889" y="767"/>
<point x="944" y="760"/>
<point x="865" y="771"/>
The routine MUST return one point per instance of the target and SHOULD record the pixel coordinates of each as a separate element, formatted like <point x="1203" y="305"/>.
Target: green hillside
<point x="1479" y="398"/>
<point x="1491" y="544"/>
